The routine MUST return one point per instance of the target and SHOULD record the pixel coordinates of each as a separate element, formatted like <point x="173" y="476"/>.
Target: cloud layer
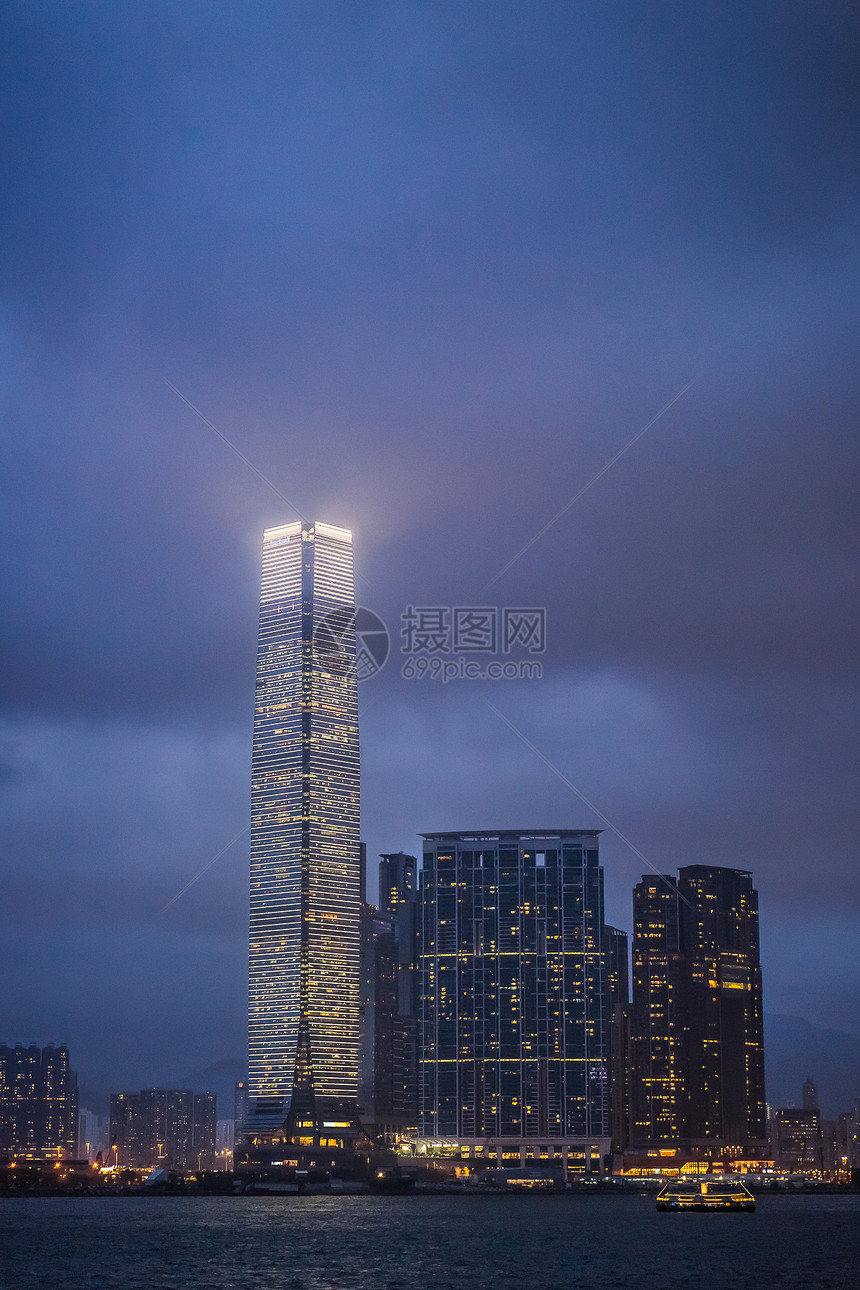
<point x="428" y="267"/>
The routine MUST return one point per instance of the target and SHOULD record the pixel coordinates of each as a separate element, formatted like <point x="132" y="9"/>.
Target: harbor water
<point x="423" y="1243"/>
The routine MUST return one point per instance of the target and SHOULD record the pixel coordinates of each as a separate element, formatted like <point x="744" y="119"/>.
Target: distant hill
<point x="795" y="1049"/>
<point x="219" y="1079"/>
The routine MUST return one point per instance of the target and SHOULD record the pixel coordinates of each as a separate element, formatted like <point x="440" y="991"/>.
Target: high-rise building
<point x="305" y="850"/>
<point x="848" y="1142"/>
<point x="797" y="1143"/>
<point x="93" y="1136"/>
<point x="127" y="1135"/>
<point x="167" y="1127"/>
<point x="810" y="1095"/>
<point x="162" y="1127"/>
<point x="618" y="1015"/>
<point x="224" y="1139"/>
<point x="38" y="1101"/>
<point x="698" y="1053"/>
<point x="513" y="1040"/>
<point x="658" y="1041"/>
<point x="397" y="880"/>
<point x="203" y="1132"/>
<point x="240" y="1108"/>
<point x="388" y="1057"/>
<point x="378" y="1011"/>
<point x="398" y="887"/>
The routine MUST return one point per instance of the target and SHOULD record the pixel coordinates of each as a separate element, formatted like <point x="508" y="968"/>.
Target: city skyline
<point x="552" y="310"/>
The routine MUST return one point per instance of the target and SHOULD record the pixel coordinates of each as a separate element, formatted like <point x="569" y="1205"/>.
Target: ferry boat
<point x="706" y="1194"/>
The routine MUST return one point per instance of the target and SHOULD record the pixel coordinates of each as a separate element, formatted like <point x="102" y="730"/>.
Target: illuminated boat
<point x="391" y="1180"/>
<point x="710" y="1195"/>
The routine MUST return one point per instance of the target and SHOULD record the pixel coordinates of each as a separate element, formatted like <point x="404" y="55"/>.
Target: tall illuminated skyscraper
<point x="305" y="866"/>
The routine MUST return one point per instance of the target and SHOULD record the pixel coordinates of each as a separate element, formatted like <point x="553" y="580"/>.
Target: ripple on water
<point x="407" y="1243"/>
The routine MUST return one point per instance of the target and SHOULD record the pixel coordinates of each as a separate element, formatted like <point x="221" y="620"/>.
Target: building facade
<point x="305" y="849"/>
<point x="697" y="1044"/>
<point x="513" y="1026"/>
<point x="38" y="1101"/>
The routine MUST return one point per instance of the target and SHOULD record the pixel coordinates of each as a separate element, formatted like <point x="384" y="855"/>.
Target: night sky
<point x="428" y="266"/>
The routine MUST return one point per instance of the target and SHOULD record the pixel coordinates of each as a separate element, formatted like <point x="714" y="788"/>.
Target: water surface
<point x="431" y="1242"/>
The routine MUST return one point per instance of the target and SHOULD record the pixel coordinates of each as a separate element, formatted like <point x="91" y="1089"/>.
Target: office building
<point x="697" y="1047"/>
<point x="305" y="848"/>
<point x="513" y="1027"/>
<point x="38" y="1101"/>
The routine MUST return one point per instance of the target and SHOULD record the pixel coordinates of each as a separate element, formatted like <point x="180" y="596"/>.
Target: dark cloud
<point x="429" y="266"/>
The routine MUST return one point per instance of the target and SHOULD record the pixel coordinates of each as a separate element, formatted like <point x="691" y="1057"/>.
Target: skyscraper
<point x="513" y="1044"/>
<point x="398" y="894"/>
<point x="378" y="1013"/>
<point x="618" y="1041"/>
<point x="698" y="1052"/>
<point x="129" y="1136"/>
<point x="397" y="879"/>
<point x="658" y="1041"/>
<point x="305" y="858"/>
<point x="240" y="1108"/>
